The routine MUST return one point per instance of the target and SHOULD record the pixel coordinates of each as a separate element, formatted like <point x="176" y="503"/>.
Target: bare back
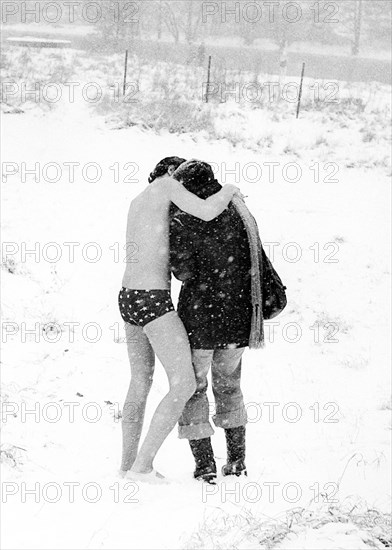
<point x="148" y="241"/>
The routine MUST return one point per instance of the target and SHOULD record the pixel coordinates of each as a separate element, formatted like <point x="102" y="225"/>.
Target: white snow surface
<point x="346" y="381"/>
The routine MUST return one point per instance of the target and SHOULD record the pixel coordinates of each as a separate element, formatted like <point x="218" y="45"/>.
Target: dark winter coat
<point x="213" y="261"/>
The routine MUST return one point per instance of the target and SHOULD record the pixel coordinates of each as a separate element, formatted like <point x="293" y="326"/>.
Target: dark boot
<point x="235" y="441"/>
<point x="204" y="458"/>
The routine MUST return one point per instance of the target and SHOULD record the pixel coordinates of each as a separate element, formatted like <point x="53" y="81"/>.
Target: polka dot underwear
<point x="140" y="307"/>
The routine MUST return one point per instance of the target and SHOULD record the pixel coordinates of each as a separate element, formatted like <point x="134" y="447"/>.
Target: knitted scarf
<point x="256" y="339"/>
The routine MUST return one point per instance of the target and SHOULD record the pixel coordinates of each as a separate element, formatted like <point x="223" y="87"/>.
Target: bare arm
<point x="205" y="210"/>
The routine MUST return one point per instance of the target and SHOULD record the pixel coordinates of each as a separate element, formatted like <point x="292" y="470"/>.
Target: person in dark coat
<point x="212" y="259"/>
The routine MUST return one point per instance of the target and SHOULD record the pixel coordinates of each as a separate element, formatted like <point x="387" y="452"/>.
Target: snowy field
<point x="318" y="400"/>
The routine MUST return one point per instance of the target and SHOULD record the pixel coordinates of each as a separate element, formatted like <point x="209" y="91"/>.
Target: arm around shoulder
<point x="205" y="210"/>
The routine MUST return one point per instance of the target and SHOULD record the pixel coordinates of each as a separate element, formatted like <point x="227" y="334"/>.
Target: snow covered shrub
<point x="349" y="525"/>
<point x="354" y="362"/>
<point x="27" y="71"/>
<point x="387" y="405"/>
<point x="180" y="116"/>
<point x="174" y="115"/>
<point x="352" y="105"/>
<point x="11" y="455"/>
<point x="8" y="264"/>
<point x="321" y="140"/>
<point x="368" y="136"/>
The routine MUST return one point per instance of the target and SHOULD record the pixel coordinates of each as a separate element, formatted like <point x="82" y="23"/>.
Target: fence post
<point x="208" y="77"/>
<point x="125" y="72"/>
<point x="300" y="89"/>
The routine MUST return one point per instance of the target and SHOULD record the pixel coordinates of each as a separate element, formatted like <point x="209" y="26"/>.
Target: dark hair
<point x="163" y="166"/>
<point x="198" y="177"/>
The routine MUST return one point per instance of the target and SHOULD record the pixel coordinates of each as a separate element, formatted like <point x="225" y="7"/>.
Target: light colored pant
<point x="229" y="411"/>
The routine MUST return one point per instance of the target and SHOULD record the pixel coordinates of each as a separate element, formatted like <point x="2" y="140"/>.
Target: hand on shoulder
<point x="233" y="190"/>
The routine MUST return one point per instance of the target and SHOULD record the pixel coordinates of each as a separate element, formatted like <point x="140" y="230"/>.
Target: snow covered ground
<point x="317" y="395"/>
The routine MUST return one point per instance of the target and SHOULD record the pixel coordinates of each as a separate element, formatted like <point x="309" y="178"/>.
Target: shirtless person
<point x="152" y="325"/>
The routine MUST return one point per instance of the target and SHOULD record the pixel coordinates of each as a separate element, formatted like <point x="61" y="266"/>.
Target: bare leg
<point x="169" y="340"/>
<point x="141" y="359"/>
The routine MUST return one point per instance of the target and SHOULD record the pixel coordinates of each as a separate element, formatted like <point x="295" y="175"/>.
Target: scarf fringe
<point x="256" y="338"/>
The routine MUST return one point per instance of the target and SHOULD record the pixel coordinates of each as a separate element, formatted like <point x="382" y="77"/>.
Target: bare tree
<point x="159" y="21"/>
<point x="351" y="23"/>
<point x="194" y="13"/>
<point x="288" y="27"/>
<point x="170" y="19"/>
<point x="357" y="27"/>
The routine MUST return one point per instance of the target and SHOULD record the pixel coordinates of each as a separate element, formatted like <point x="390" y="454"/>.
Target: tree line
<point x="350" y="24"/>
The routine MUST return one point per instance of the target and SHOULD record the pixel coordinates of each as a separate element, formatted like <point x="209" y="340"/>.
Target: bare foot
<point x="153" y="477"/>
